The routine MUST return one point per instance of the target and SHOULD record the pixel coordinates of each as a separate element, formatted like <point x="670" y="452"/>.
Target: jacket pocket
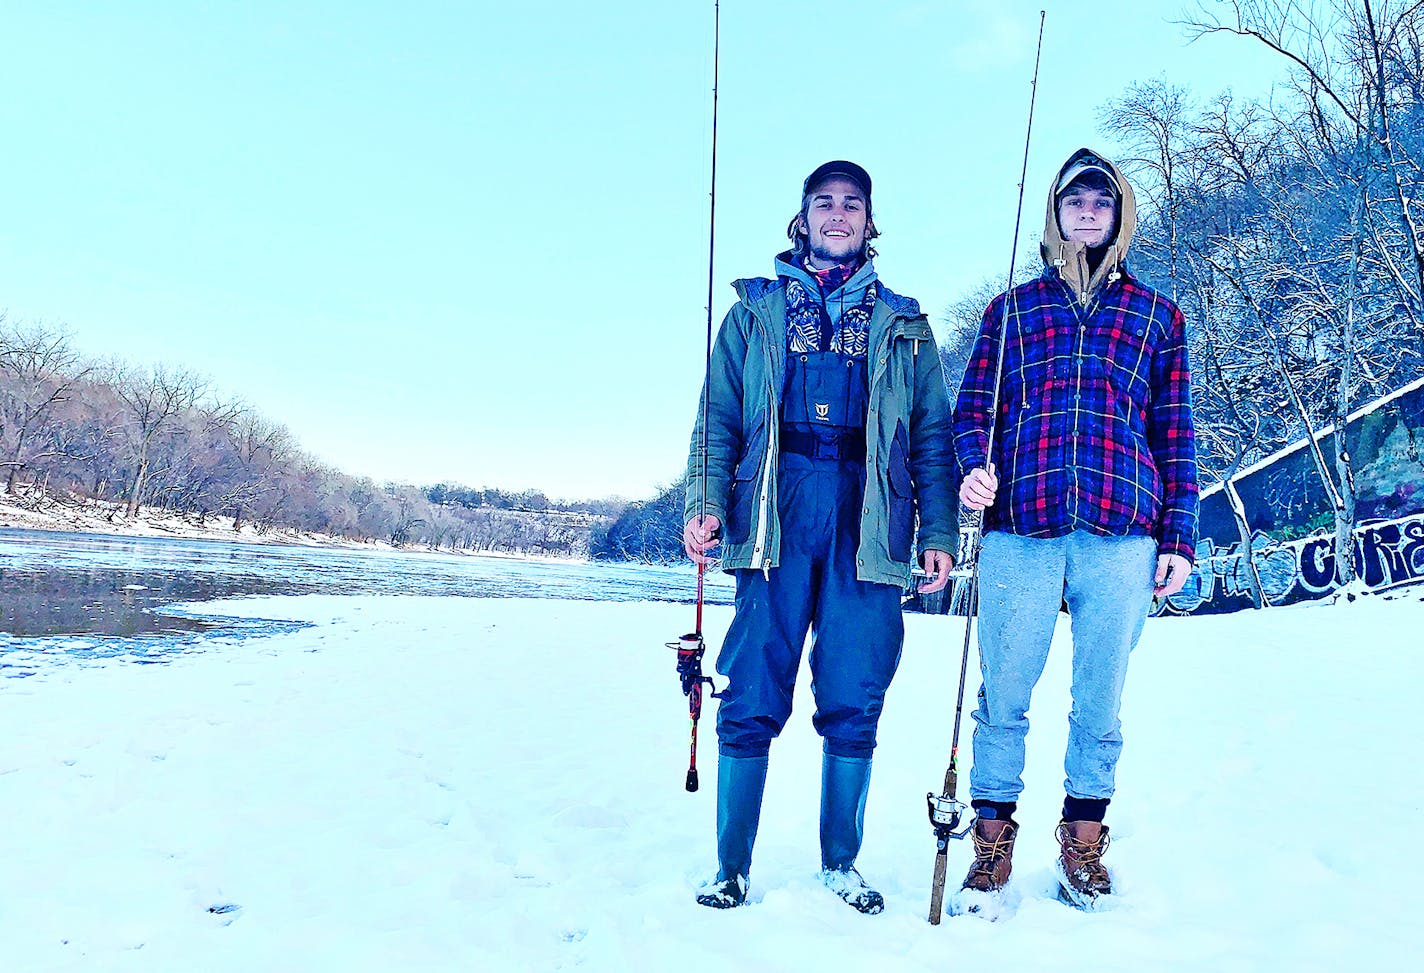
<point x="1025" y="418"/>
<point x="744" y="488"/>
<point x="902" y="498"/>
<point x="1127" y="360"/>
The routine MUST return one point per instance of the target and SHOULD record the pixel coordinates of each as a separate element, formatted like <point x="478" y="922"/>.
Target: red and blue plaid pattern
<point x="1095" y="414"/>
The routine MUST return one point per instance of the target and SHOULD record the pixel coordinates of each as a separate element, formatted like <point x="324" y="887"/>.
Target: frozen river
<point x="87" y="596"/>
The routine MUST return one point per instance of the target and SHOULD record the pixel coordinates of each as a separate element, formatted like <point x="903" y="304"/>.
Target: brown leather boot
<point x="993" y="855"/>
<point x="1082" y="877"/>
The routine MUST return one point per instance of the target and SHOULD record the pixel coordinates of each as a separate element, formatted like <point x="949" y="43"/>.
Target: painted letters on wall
<point x="1291" y="521"/>
<point x="1386" y="553"/>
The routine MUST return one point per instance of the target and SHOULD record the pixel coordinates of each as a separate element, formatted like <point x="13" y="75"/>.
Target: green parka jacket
<point x="909" y="456"/>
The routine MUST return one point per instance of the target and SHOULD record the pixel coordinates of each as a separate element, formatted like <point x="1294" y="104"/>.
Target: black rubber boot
<point x="845" y="781"/>
<point x="740" y="782"/>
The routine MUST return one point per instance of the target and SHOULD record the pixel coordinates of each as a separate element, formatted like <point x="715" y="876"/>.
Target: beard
<point x="841" y="255"/>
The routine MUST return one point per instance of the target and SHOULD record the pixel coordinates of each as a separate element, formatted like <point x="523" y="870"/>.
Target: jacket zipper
<point x="764" y="504"/>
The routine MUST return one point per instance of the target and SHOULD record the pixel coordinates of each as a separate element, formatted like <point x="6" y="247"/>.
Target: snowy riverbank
<point x="96" y="517"/>
<point x="470" y="784"/>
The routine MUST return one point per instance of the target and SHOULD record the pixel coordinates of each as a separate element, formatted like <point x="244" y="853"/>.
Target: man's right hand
<point x="700" y="536"/>
<point x="979" y="487"/>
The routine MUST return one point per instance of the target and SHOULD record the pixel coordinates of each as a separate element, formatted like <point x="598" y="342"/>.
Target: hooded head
<point x="1085" y="261"/>
<point x="820" y="188"/>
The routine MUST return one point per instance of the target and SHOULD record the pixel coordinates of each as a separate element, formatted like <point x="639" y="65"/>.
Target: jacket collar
<point x="766" y="299"/>
<point x="789" y="265"/>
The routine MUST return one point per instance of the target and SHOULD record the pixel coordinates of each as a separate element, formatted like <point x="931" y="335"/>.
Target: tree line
<point x="116" y="438"/>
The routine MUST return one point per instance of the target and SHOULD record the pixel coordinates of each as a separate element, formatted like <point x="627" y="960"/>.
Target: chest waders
<point x="824" y="401"/>
<point x="856" y="626"/>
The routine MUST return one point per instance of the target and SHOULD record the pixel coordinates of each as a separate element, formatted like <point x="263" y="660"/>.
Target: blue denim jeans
<point x="1107" y="582"/>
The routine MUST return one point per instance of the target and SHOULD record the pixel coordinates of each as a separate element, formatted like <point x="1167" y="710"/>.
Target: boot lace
<point x="988" y="852"/>
<point x="1085" y="856"/>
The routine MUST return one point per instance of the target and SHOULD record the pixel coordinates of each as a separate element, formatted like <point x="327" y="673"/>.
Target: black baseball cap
<point x="839" y="167"/>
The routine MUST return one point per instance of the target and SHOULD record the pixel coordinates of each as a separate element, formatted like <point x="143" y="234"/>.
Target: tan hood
<point x="1070" y="258"/>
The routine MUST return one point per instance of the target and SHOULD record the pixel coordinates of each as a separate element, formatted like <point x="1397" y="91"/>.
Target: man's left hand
<point x="937" y="565"/>
<point x="1172" y="572"/>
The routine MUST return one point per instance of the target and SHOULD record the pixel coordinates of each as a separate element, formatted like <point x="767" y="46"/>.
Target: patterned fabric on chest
<point x="809" y="328"/>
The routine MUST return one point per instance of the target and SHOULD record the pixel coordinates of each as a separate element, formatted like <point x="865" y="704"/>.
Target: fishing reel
<point x="946" y="813"/>
<point x="689" y="669"/>
<point x="689" y="649"/>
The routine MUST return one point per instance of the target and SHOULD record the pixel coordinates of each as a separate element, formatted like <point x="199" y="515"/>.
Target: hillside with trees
<point x="1289" y="231"/>
<point x="113" y="440"/>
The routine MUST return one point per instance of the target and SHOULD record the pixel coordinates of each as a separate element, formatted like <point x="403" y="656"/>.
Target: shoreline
<point x="91" y="517"/>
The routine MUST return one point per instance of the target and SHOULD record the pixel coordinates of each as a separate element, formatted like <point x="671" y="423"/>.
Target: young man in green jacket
<point x="827" y="431"/>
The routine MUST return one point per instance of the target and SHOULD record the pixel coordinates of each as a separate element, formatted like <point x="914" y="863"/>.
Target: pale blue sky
<point x="468" y="241"/>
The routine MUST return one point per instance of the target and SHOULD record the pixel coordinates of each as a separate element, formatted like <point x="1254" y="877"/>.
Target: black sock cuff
<point x="995" y="810"/>
<point x="1085" y="808"/>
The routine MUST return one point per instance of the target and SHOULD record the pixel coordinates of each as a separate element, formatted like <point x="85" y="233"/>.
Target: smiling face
<point x="1087" y="216"/>
<point x="834" y="223"/>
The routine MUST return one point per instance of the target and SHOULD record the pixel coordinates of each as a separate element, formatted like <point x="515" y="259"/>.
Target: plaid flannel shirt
<point x="1095" y="416"/>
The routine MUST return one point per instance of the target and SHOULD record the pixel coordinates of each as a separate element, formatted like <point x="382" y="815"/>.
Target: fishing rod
<point x="945" y="810"/>
<point x="691" y="646"/>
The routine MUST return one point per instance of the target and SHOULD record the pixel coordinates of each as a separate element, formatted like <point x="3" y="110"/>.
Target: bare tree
<point x="38" y="369"/>
<point x="1153" y="120"/>
<point x="1354" y="64"/>
<point x="153" y="397"/>
<point x="261" y="449"/>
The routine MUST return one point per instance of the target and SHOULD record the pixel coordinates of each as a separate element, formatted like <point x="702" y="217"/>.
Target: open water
<point x="91" y="596"/>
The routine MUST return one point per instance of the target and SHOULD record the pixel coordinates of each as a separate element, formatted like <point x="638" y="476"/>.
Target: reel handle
<point x="946" y="813"/>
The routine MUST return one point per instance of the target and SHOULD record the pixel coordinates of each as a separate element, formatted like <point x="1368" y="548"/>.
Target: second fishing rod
<point x="946" y="811"/>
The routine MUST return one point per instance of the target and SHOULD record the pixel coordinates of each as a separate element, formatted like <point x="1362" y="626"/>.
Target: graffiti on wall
<point x="1385" y="553"/>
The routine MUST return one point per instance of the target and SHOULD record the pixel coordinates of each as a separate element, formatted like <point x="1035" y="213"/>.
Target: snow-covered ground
<point x="496" y="785"/>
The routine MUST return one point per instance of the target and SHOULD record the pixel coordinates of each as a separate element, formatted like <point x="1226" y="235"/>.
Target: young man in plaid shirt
<point x="1090" y="498"/>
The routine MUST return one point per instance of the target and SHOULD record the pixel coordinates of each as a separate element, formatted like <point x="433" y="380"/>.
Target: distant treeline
<point x="119" y="439"/>
<point x="446" y="494"/>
